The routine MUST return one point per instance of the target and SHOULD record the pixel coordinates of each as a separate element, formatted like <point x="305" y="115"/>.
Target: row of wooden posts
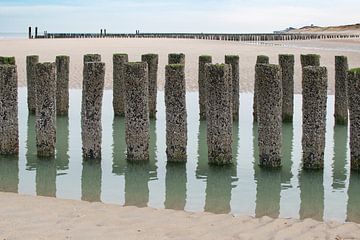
<point x="134" y="97"/>
<point x="246" y="37"/>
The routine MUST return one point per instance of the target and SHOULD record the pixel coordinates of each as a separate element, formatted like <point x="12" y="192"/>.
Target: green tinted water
<point x="242" y="188"/>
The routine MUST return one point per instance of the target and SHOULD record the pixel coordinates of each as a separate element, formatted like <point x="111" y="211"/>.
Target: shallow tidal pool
<point x="243" y="188"/>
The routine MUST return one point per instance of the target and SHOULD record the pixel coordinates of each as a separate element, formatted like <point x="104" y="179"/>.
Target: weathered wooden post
<point x="36" y="32"/>
<point x="29" y="33"/>
<point x="87" y="58"/>
<point x="219" y="113"/>
<point x="341" y="96"/>
<point x="233" y="60"/>
<point x="152" y="61"/>
<point x="45" y="109"/>
<point x="269" y="114"/>
<point x="310" y="60"/>
<point x="9" y="126"/>
<point x="261" y="59"/>
<point x="119" y="61"/>
<point x="286" y="62"/>
<point x="94" y="76"/>
<point x="354" y="110"/>
<point x="176" y="123"/>
<point x="176" y="58"/>
<point x="314" y="87"/>
<point x="204" y="59"/>
<point x="31" y="61"/>
<point x="62" y="85"/>
<point x="137" y="111"/>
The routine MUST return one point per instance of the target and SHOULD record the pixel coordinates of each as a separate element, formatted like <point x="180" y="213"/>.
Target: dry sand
<point x="47" y="49"/>
<point x="28" y="217"/>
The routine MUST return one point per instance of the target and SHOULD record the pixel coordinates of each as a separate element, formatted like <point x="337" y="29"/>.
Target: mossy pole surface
<point x="261" y="59"/>
<point x="62" y="85"/>
<point x="9" y="126"/>
<point x="119" y="61"/>
<point x="137" y="121"/>
<point x="310" y="60"/>
<point x="176" y="58"/>
<point x="233" y="60"/>
<point x="7" y="60"/>
<point x="45" y="109"/>
<point x="31" y="61"/>
<point x="176" y="123"/>
<point x="269" y="100"/>
<point x="91" y="133"/>
<point x="286" y="62"/>
<point x="219" y="113"/>
<point x="92" y="58"/>
<point x="354" y="110"/>
<point x="341" y="96"/>
<point x="314" y="95"/>
<point x="202" y="84"/>
<point x="152" y="60"/>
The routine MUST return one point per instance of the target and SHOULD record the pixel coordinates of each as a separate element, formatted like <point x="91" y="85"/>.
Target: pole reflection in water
<point x="91" y="181"/>
<point x="287" y="148"/>
<point x="119" y="146"/>
<point x="219" y="179"/>
<point x="268" y="185"/>
<point x="9" y="174"/>
<point x="353" y="206"/>
<point x="62" y="144"/>
<point x="137" y="175"/>
<point x="136" y="184"/>
<point x="218" y="188"/>
<point x="339" y="164"/>
<point x="46" y="177"/>
<point x="175" y="185"/>
<point x="311" y="194"/>
<point x="31" y="154"/>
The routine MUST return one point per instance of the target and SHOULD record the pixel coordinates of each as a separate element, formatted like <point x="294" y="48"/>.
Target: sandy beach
<point x="47" y="49"/>
<point x="51" y="218"/>
<point x="43" y="218"/>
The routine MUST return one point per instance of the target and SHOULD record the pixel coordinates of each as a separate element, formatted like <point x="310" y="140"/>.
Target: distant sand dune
<point x="316" y="29"/>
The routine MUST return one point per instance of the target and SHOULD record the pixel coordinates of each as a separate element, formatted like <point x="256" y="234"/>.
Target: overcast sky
<point x="174" y="15"/>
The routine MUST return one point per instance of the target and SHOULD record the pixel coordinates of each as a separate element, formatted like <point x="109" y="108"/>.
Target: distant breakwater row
<point x="241" y="37"/>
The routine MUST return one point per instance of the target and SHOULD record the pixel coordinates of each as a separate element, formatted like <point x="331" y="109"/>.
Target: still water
<point x="243" y="188"/>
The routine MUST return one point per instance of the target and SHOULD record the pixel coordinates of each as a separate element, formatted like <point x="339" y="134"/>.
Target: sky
<point x="221" y="16"/>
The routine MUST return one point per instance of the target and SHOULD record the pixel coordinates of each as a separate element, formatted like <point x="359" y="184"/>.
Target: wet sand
<point x="47" y="49"/>
<point x="28" y="217"/>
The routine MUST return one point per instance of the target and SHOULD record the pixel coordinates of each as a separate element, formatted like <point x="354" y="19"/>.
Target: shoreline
<point x="45" y="217"/>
